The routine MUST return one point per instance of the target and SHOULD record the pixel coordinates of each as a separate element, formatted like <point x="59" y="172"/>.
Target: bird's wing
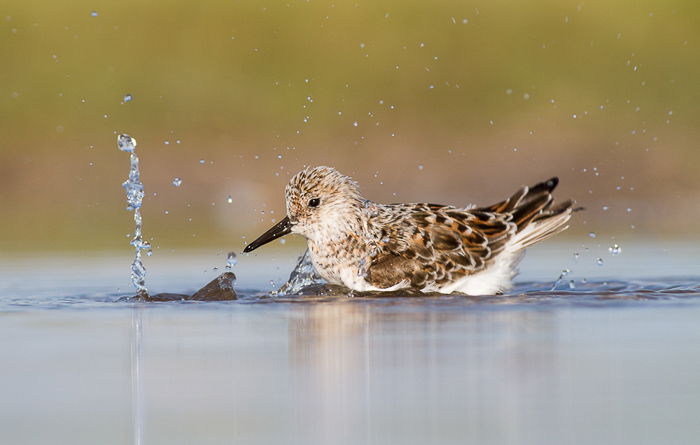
<point x="433" y="244"/>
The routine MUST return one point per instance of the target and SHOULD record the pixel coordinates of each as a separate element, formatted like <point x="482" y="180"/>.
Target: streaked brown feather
<point x="432" y="243"/>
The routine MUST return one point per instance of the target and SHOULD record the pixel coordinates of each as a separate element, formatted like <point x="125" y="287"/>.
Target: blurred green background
<point x="444" y="101"/>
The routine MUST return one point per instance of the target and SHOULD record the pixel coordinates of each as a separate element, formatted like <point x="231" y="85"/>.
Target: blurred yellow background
<point x="445" y="101"/>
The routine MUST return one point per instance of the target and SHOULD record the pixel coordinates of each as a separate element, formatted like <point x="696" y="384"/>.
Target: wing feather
<point x="438" y="244"/>
<point x="433" y="244"/>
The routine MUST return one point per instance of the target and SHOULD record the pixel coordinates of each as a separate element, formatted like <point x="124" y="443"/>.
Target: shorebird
<point x="367" y="246"/>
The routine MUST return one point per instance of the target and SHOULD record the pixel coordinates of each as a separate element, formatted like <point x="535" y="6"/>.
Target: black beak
<point x="278" y="230"/>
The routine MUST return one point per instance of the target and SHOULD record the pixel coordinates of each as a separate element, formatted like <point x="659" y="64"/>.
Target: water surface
<point x="613" y="360"/>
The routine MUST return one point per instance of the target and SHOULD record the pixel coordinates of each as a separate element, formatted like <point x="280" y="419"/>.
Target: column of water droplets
<point x="134" y="197"/>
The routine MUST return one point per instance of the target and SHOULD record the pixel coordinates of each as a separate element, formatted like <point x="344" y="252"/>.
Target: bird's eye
<point x="314" y="202"/>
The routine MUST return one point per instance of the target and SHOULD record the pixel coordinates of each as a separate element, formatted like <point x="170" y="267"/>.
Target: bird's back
<point x="475" y="250"/>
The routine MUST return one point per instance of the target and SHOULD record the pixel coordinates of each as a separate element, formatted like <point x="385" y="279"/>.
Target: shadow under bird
<point x="367" y="246"/>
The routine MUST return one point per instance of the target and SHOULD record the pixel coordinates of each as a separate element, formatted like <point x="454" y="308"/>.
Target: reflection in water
<point x="136" y="374"/>
<point x="370" y="376"/>
<point x="360" y="370"/>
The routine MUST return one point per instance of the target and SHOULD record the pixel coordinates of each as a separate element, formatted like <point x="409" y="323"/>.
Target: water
<point x="303" y="275"/>
<point x="613" y="360"/>
<point x="231" y="260"/>
<point x="134" y="198"/>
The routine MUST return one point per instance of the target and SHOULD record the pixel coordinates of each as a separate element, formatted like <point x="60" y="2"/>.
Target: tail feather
<point x="542" y="229"/>
<point x="534" y="214"/>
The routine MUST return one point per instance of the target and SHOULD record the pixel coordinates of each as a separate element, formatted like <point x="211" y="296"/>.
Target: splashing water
<point x="302" y="276"/>
<point x="231" y="260"/>
<point x="615" y="249"/>
<point x="563" y="274"/>
<point x="134" y="198"/>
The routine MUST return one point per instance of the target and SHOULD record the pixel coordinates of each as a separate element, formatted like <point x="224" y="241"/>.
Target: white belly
<point x="496" y="278"/>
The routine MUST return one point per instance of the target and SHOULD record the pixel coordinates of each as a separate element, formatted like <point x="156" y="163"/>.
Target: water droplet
<point x="166" y="142"/>
<point x="128" y="98"/>
<point x="355" y="124"/>
<point x="134" y="197"/>
<point x="614" y="249"/>
<point x="572" y="284"/>
<point x="563" y="273"/>
<point x="509" y="91"/>
<point x="420" y="167"/>
<point x="573" y="116"/>
<point x="592" y="234"/>
<point x="177" y="182"/>
<point x="599" y="261"/>
<point x="282" y="240"/>
<point x="94" y="14"/>
<point x="231" y="260"/>
<point x="126" y="143"/>
<point x="202" y="161"/>
<point x="576" y="255"/>
<point x="605" y="208"/>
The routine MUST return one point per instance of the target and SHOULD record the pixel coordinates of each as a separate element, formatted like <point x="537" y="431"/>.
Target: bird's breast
<point x="338" y="262"/>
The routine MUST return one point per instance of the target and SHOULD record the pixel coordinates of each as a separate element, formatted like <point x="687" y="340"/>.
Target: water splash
<point x="302" y="276"/>
<point x="563" y="274"/>
<point x="231" y="260"/>
<point x="615" y="249"/>
<point x="134" y="198"/>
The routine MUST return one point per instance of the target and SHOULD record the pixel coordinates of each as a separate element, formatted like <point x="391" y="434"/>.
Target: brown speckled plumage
<point x="368" y="246"/>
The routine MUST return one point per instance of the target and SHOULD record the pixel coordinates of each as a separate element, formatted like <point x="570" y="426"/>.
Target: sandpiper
<point x="367" y="246"/>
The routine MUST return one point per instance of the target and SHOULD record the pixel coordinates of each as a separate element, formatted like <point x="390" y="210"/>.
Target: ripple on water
<point x="524" y="295"/>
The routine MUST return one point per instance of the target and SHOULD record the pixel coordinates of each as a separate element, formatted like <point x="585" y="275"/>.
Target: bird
<point x="434" y="248"/>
